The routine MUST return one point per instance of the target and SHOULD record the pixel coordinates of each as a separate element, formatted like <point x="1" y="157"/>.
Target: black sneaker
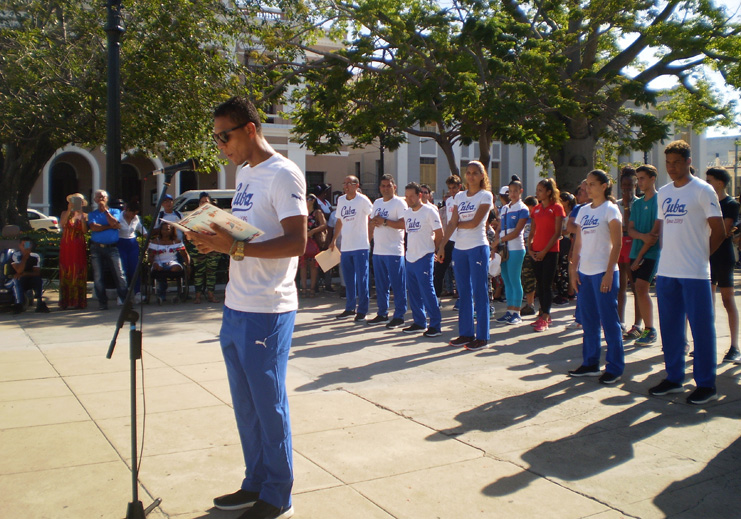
<point x="432" y="332"/>
<point x="460" y="342"/>
<point x="345" y="314"/>
<point x="733" y="355"/>
<point x="263" y="510"/>
<point x="585" y="371"/>
<point x="702" y="395"/>
<point x="560" y="301"/>
<point x="237" y="501"/>
<point x="476" y="345"/>
<point x="379" y="319"/>
<point x="527" y="310"/>
<point x="41" y="308"/>
<point x="359" y="318"/>
<point x="414" y="328"/>
<point x="608" y="378"/>
<point x="396" y="322"/>
<point x="665" y="387"/>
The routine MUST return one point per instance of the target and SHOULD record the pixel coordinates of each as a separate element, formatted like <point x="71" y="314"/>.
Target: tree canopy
<point x="177" y="62"/>
<point x="565" y="76"/>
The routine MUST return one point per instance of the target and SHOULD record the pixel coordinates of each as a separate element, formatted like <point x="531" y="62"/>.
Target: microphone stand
<point x="135" y="509"/>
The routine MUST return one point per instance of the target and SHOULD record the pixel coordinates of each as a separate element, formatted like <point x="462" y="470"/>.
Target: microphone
<point x="189" y="164"/>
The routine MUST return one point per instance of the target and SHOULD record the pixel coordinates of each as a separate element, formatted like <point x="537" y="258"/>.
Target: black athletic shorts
<point x="646" y="270"/>
<point x="721" y="273"/>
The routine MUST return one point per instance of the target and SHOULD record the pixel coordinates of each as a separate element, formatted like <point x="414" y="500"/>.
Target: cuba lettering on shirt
<point x="388" y="241"/>
<point x="596" y="242"/>
<point x="354" y="215"/>
<point x="266" y="194"/>
<point x="685" y="238"/>
<point x="421" y="226"/>
<point x="468" y="206"/>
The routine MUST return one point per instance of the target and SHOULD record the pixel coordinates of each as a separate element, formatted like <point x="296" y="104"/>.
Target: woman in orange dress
<point x="73" y="255"/>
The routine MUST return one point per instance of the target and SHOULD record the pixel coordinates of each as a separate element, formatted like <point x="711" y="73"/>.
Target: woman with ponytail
<point x="595" y="278"/>
<point x="514" y="216"/>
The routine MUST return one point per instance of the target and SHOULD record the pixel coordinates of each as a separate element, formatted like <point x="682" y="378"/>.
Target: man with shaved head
<point x="353" y="211"/>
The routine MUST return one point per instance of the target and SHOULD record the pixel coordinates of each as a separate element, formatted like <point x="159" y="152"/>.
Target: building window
<point x="428" y="172"/>
<point x="314" y="178"/>
<point x="495" y="175"/>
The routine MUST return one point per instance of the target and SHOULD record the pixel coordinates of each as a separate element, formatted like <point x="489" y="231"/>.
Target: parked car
<point x="188" y="201"/>
<point x="40" y="222"/>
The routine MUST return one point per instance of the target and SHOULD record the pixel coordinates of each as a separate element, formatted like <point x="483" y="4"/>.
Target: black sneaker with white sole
<point x="665" y="387"/>
<point x="236" y="501"/>
<point x="396" y="322"/>
<point x="359" y="317"/>
<point x="733" y="355"/>
<point x="702" y="395"/>
<point x="379" y="319"/>
<point x="263" y="510"/>
<point x="608" y="378"/>
<point x="585" y="371"/>
<point x="432" y="332"/>
<point x="345" y="314"/>
<point x="414" y="328"/>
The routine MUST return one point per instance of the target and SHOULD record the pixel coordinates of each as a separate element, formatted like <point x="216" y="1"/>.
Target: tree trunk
<point x="447" y="148"/>
<point x="485" y="150"/>
<point x="572" y="162"/>
<point x="21" y="169"/>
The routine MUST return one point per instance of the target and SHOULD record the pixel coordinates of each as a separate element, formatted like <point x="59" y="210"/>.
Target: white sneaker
<point x="573" y="325"/>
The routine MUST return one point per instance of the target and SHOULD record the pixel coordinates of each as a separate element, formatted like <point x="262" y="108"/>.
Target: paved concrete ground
<point x="385" y="425"/>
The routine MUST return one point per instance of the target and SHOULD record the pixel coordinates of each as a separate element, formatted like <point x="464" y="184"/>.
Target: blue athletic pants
<point x="255" y="348"/>
<point x="471" y="268"/>
<point x="600" y="310"/>
<point x="128" y="249"/>
<point x="680" y="300"/>
<point x="390" y="272"/>
<point x="354" y="265"/>
<point x="511" y="274"/>
<point x="422" y="298"/>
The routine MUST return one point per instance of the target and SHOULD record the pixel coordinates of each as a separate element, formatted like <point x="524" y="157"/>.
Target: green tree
<point x="567" y="76"/>
<point x="176" y="64"/>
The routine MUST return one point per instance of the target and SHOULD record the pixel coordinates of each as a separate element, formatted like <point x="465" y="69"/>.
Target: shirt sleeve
<point x="435" y="220"/>
<point x="613" y="213"/>
<point x="710" y="203"/>
<point x="288" y="194"/>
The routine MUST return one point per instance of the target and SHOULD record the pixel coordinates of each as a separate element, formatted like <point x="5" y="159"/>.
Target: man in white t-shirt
<point x="691" y="229"/>
<point x="353" y="211"/>
<point x="424" y="234"/>
<point x="260" y="307"/>
<point x="388" y="253"/>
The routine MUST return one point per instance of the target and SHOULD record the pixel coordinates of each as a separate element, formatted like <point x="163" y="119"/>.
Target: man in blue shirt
<point x="103" y="224"/>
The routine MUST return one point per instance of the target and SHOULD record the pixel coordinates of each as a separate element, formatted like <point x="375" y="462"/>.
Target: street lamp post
<point x="113" y="116"/>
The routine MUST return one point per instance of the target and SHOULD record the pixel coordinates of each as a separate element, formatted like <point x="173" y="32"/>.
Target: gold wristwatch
<point x="238" y="254"/>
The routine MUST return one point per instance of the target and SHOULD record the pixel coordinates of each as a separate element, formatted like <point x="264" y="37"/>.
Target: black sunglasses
<point x="223" y="137"/>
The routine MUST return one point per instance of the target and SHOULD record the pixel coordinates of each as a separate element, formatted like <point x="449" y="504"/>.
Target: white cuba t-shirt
<point x="388" y="241"/>
<point x="467" y="208"/>
<point x="685" y="232"/>
<point x="596" y="245"/>
<point x="511" y="214"/>
<point x="354" y="215"/>
<point x="421" y="226"/>
<point x="266" y="194"/>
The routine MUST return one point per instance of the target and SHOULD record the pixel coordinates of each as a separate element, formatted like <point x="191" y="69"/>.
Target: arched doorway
<point x="63" y="182"/>
<point x="131" y="186"/>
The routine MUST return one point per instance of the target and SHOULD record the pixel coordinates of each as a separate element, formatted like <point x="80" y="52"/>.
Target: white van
<point x="188" y="201"/>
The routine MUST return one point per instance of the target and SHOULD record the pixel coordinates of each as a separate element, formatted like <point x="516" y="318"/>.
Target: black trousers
<point x="545" y="272"/>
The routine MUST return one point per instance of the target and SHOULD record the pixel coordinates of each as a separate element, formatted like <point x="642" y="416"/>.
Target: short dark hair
<point x="627" y="171"/>
<point x="649" y="170"/>
<point x="679" y="147"/>
<point x="388" y="177"/>
<point x="454" y="180"/>
<point x="427" y="187"/>
<point x="720" y="174"/>
<point x="240" y="110"/>
<point x="530" y="201"/>
<point x="413" y="185"/>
